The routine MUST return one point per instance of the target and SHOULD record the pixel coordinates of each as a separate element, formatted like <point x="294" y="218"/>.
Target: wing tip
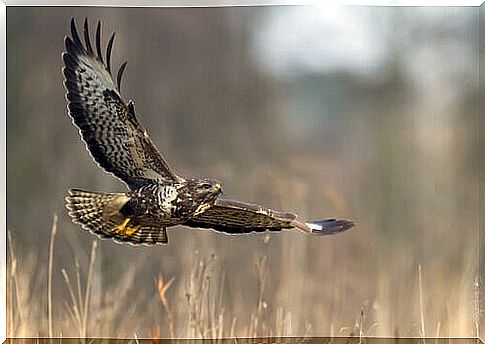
<point x="108" y="52"/>
<point x="119" y="76"/>
<point x="330" y="226"/>
<point x="75" y="46"/>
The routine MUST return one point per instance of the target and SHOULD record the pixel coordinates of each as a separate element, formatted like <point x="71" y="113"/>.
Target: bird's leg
<point x="123" y="229"/>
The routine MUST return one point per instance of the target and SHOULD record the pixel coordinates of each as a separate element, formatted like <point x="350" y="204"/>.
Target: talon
<point x="129" y="231"/>
<point x="123" y="229"/>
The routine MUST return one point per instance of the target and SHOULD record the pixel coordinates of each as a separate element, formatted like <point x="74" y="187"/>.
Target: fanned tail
<point x="87" y="208"/>
<point x="99" y="213"/>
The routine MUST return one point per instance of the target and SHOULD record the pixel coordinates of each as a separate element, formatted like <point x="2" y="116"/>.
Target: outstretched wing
<point x="108" y="126"/>
<point x="236" y="217"/>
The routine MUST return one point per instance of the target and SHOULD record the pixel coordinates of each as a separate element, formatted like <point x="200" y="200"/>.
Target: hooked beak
<point x="218" y="188"/>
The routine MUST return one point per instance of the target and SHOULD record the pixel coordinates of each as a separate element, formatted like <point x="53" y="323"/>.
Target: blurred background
<point x="369" y="113"/>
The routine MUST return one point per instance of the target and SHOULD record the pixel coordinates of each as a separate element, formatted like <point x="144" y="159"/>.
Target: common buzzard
<point x="157" y="198"/>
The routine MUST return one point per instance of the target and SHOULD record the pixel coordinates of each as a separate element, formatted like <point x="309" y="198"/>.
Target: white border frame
<point x="134" y="3"/>
<point x="3" y="173"/>
<point x="227" y="3"/>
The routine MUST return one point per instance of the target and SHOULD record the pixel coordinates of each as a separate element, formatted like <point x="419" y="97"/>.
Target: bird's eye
<point x="206" y="186"/>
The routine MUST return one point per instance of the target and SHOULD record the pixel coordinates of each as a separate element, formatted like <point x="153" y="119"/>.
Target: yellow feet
<point x="129" y="231"/>
<point x="123" y="229"/>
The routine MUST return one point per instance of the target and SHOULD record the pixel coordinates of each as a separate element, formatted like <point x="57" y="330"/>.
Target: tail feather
<point x="99" y="213"/>
<point x="87" y="208"/>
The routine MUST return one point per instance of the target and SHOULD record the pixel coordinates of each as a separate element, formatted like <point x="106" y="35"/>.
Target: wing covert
<point x="108" y="126"/>
<point x="235" y="217"/>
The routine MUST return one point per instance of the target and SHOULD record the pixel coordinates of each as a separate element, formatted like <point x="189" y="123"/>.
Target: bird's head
<point x="205" y="190"/>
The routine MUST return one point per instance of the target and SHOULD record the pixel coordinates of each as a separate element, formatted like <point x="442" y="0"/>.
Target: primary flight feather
<point x="157" y="198"/>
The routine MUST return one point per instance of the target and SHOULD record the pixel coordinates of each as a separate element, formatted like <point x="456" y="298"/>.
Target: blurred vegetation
<point x="394" y="147"/>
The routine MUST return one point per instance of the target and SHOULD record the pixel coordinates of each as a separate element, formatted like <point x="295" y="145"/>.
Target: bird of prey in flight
<point x="157" y="197"/>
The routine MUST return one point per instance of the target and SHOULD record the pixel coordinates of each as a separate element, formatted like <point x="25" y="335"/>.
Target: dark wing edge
<point x="113" y="135"/>
<point x="235" y="217"/>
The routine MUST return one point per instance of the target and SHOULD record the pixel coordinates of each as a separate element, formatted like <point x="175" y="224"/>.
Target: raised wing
<point x="234" y="217"/>
<point x="108" y="126"/>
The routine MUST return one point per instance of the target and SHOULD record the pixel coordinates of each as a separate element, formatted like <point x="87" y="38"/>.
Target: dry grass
<point x="49" y="278"/>
<point x="422" y="332"/>
<point x="476" y="307"/>
<point x="162" y="290"/>
<point x="79" y="305"/>
<point x="202" y="313"/>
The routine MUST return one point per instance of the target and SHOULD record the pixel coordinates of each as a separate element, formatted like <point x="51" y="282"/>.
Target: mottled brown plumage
<point x="157" y="196"/>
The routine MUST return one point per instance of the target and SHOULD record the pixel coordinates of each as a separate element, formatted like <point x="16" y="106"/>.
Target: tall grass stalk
<point x="12" y="279"/>
<point x="79" y="307"/>
<point x="421" y="303"/>
<point x="89" y="284"/>
<point x="361" y="326"/>
<point x="73" y="309"/>
<point x="49" y="279"/>
<point x="257" y="324"/>
<point x="204" y="295"/>
<point x="162" y="290"/>
<point x="476" y="305"/>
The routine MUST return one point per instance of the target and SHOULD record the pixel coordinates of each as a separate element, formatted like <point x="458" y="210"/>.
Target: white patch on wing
<point x="263" y="212"/>
<point x="314" y="226"/>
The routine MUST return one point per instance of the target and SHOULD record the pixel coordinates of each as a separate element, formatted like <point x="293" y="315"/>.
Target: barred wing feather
<point x="108" y="126"/>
